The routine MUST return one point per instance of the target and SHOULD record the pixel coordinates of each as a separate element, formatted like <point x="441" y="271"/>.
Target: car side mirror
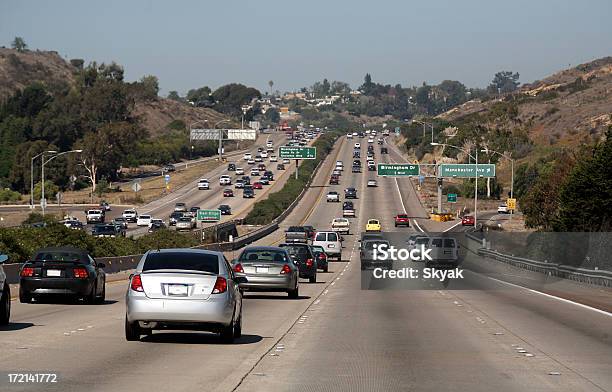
<point x="101" y="265"/>
<point x="131" y="276"/>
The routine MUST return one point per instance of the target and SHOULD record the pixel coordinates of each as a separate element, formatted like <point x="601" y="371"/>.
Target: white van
<point x="444" y="250"/>
<point x="331" y="243"/>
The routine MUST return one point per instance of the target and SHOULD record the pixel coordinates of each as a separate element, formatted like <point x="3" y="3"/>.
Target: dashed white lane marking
<point x="557" y="298"/>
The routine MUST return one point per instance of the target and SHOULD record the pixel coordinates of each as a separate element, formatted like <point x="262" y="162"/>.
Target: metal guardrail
<point x="584" y="275"/>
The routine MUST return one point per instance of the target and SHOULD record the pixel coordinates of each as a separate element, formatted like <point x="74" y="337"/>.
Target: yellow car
<point x="373" y="225"/>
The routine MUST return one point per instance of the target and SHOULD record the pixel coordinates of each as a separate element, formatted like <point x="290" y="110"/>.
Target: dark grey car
<point x="267" y="268"/>
<point x="304" y="257"/>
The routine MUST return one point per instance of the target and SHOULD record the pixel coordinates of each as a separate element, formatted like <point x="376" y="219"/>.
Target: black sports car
<point x="64" y="271"/>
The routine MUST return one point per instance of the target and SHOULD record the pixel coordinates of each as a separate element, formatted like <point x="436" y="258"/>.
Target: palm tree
<point x="271" y="83"/>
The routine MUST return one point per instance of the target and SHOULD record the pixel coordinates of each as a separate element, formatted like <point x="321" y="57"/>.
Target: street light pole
<point x="32" y="175"/>
<point x="43" y="203"/>
<point x="476" y="192"/>
<point x="220" y="139"/>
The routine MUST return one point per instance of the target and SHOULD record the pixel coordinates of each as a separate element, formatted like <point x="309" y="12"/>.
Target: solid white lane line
<point x="416" y="224"/>
<point x="555" y="297"/>
<point x="452" y="227"/>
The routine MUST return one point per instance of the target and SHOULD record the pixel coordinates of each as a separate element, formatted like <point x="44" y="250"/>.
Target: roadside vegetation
<point x="264" y="211"/>
<point x="20" y="243"/>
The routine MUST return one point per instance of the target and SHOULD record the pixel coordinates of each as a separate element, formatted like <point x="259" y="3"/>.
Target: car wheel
<point x="102" y="297"/>
<point x="91" y="298"/>
<point x="313" y="279"/>
<point x="24" y="297"/>
<point x="5" y="305"/>
<point x="295" y="293"/>
<point x="238" y="326"/>
<point x="132" y="331"/>
<point x="227" y="333"/>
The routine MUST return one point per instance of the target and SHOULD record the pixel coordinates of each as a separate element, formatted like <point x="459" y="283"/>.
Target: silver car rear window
<point x="183" y="261"/>
<point x="264" y="255"/>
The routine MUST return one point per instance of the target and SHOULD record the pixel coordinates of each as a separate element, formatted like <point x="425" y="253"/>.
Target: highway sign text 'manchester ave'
<point x="467" y="170"/>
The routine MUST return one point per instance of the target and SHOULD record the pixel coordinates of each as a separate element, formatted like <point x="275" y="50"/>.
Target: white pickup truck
<point x="340" y="225"/>
<point x="130" y="216"/>
<point x="333" y="197"/>
<point x="94" y="216"/>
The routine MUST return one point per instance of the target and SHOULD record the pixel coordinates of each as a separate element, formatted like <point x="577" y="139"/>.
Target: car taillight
<point x="27" y="272"/>
<point x="80" y="273"/>
<point x="286" y="269"/>
<point x="136" y="283"/>
<point x="322" y="256"/>
<point x="220" y="285"/>
<point x="308" y="262"/>
<point x="238" y="268"/>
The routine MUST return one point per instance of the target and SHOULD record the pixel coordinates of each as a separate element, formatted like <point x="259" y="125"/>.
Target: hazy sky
<point x="189" y="44"/>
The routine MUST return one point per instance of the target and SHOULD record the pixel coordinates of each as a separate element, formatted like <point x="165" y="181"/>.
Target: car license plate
<point x="261" y="270"/>
<point x="54" y="273"/>
<point x="177" y="289"/>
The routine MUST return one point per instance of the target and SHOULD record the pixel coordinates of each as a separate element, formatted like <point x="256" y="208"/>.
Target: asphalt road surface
<point x="481" y="335"/>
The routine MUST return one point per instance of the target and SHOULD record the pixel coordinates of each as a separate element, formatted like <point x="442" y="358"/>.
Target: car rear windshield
<point x="58" y="256"/>
<point x="402" y="216"/>
<point x="296" y="228"/>
<point x="296" y="249"/>
<point x="370" y="244"/>
<point x="182" y="261"/>
<point x="268" y="256"/>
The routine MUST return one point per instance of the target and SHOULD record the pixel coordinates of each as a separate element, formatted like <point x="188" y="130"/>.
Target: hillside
<point x="18" y="69"/>
<point x="569" y="108"/>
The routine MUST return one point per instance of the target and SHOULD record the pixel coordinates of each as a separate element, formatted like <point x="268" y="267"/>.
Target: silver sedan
<point x="267" y="268"/>
<point x="186" y="289"/>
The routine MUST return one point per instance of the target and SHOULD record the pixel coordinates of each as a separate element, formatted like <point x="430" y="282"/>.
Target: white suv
<point x="203" y="184"/>
<point x="225" y="180"/>
<point x="130" y="215"/>
<point x="503" y="209"/>
<point x="331" y="243"/>
<point x="143" y="220"/>
<point x="247" y="156"/>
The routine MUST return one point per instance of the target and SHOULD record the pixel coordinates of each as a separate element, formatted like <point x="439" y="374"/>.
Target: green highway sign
<point x="451" y="197"/>
<point x="398" y="170"/>
<point x="209" y="215"/>
<point x="294" y="152"/>
<point x="466" y="170"/>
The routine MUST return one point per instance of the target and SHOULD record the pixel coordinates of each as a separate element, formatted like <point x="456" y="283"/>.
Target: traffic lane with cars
<point x="98" y="348"/>
<point x="206" y="199"/>
<point x="469" y="339"/>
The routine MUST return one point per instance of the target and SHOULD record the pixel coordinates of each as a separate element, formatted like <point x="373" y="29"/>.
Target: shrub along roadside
<point x="20" y="243"/>
<point x="264" y="211"/>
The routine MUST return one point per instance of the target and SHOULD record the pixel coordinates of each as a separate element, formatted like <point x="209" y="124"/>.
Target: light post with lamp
<point x="43" y="202"/>
<point x="32" y="174"/>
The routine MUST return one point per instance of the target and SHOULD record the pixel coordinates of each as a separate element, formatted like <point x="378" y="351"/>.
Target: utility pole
<point x="296" y="168"/>
<point x="476" y="192"/>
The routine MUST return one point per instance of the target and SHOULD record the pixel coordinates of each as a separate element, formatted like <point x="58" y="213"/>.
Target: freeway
<point x="337" y="336"/>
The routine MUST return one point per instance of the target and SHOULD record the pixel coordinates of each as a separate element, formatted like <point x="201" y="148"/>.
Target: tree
<point x="585" y="199"/>
<point x="340" y="88"/>
<point x="272" y="116"/>
<point x="200" y="96"/>
<point x="19" y="44"/>
<point x="504" y="82"/>
<point x="230" y="97"/>
<point x="150" y="87"/>
<point x="173" y="95"/>
<point x="367" y="86"/>
<point x="271" y="84"/>
<point x="105" y="149"/>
